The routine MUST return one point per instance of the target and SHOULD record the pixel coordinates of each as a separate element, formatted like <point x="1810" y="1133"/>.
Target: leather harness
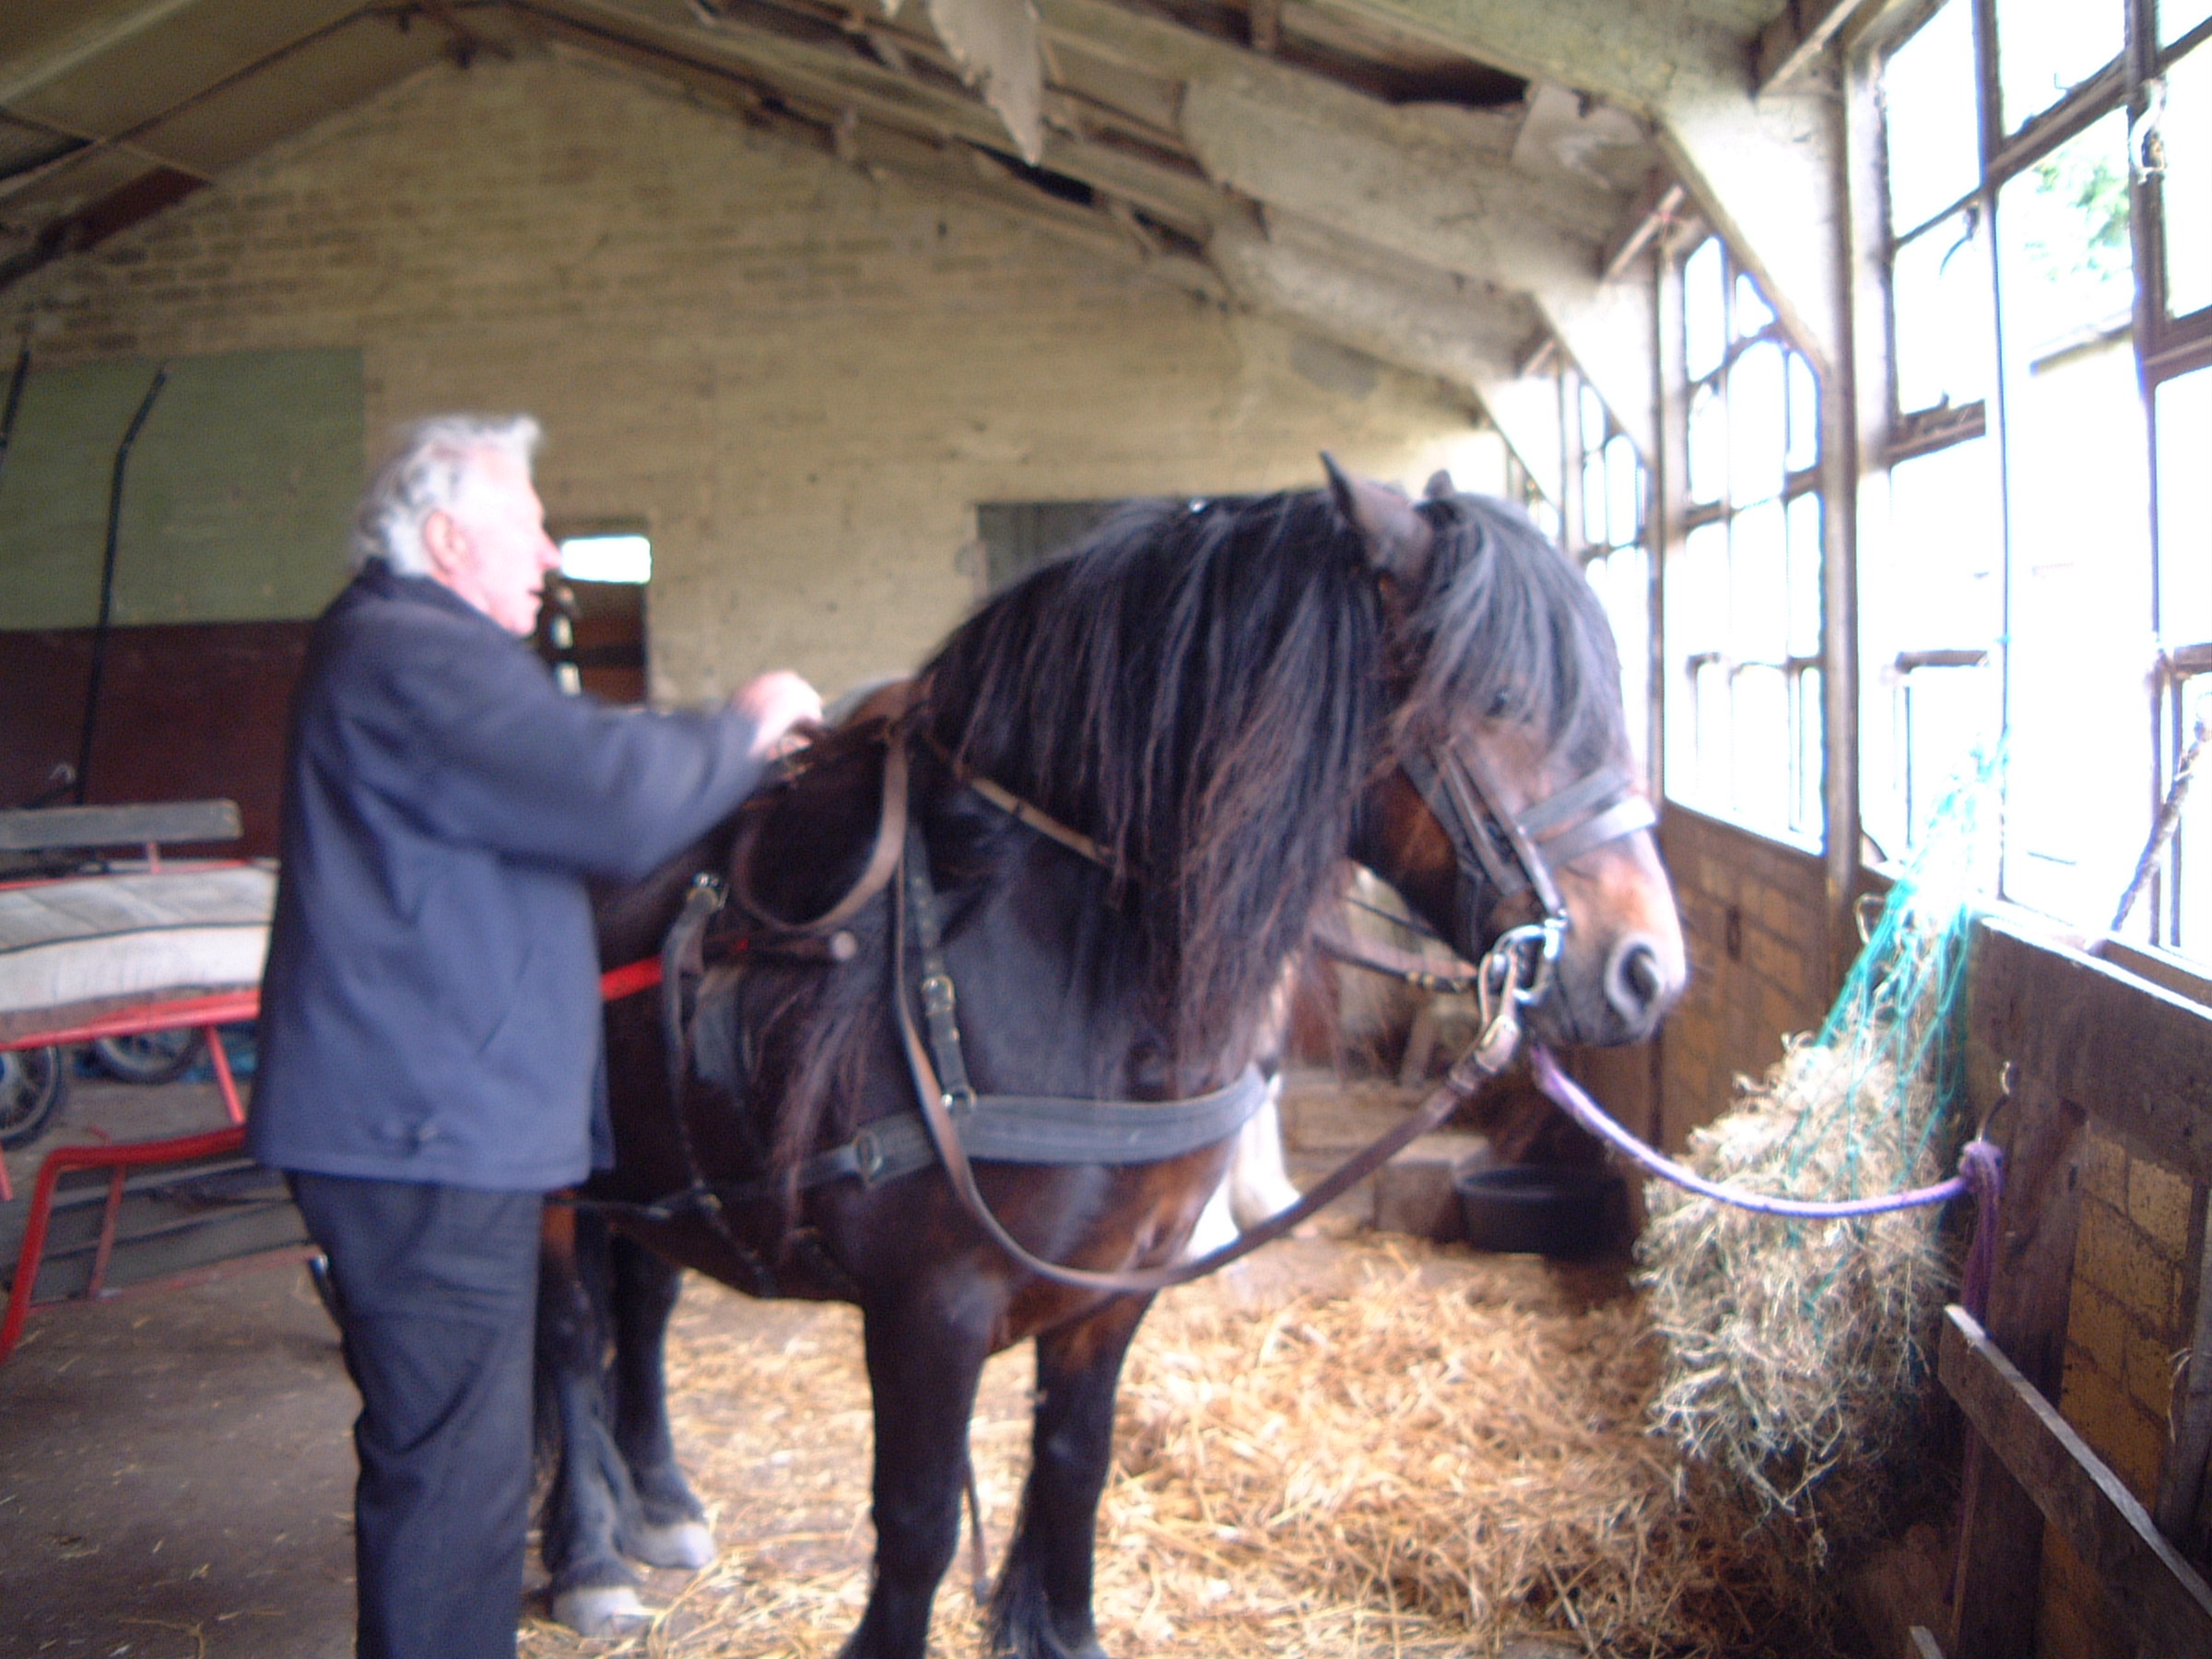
<point x="955" y="1126"/>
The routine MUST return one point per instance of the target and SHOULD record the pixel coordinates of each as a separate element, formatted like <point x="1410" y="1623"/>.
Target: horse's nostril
<point x="1634" y="980"/>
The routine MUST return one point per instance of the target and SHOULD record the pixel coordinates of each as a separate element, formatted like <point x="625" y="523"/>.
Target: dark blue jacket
<point x="431" y="1007"/>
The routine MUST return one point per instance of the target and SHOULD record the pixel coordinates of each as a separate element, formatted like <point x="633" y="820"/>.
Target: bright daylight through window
<point x="1743" y="582"/>
<point x="2043" y="583"/>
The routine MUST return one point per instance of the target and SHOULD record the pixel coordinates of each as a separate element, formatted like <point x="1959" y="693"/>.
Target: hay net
<point x="1799" y="1353"/>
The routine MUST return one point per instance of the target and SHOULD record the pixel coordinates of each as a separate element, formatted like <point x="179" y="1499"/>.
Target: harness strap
<point x="883" y="857"/>
<point x="916" y="895"/>
<point x="1624" y="818"/>
<point x="1601" y="788"/>
<point x="1015" y="807"/>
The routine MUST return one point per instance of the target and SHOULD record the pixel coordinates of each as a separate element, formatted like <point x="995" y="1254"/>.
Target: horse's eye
<point x="1500" y="706"/>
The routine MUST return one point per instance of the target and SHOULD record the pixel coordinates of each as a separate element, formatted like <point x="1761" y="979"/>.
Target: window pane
<point x="1594" y="419"/>
<point x="1809" y="812"/>
<point x="2077" y="467"/>
<point x="1942" y="298"/>
<point x="1760" y="580"/>
<point x="2046" y="48"/>
<point x="1545" y="516"/>
<point x="2177" y="18"/>
<point x="2192" y="861"/>
<point x="1944" y="569"/>
<point x="1704" y="308"/>
<point x="2066" y="266"/>
<point x="1804" y="414"/>
<point x="1760" y="739"/>
<point x="1593" y="499"/>
<point x="1708" y="445"/>
<point x="1757" y="424"/>
<point x="1623" y="582"/>
<point x="2186" y="516"/>
<point x="1932" y="117"/>
<point x="2185" y="191"/>
<point x="1624" y="492"/>
<point x="1752" y="312"/>
<point x="1805" y="575"/>
<point x="1949" y="718"/>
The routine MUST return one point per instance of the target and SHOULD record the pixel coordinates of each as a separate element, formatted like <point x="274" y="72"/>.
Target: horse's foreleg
<point x="670" y="1528"/>
<point x="924" y="1363"/>
<point x="593" y="1591"/>
<point x="1041" y="1608"/>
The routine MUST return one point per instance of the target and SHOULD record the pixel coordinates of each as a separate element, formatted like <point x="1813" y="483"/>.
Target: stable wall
<point x="803" y="378"/>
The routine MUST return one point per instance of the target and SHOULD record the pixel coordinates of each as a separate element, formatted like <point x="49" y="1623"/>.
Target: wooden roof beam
<point x="97" y="36"/>
<point x="1765" y="167"/>
<point x="832" y="79"/>
<point x="1792" y="44"/>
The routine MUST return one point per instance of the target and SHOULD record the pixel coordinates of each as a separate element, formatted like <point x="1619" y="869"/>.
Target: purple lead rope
<point x="1981" y="1172"/>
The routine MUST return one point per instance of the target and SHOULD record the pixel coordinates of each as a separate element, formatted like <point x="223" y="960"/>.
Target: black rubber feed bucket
<point x="1559" y="1210"/>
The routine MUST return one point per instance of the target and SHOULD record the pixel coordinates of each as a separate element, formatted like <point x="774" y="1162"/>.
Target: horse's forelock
<point x="1505" y="624"/>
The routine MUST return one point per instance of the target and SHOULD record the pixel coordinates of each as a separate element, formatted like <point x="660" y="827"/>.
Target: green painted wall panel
<point x="240" y="494"/>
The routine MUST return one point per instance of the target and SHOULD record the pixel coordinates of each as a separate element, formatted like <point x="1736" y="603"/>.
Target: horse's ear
<point x="1398" y="537"/>
<point x="1439" y="487"/>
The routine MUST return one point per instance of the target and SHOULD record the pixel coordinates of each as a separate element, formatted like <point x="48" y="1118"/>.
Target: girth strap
<point x="1045" y="1129"/>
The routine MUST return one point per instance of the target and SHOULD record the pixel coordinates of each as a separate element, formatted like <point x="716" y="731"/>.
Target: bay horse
<point x="1131" y="782"/>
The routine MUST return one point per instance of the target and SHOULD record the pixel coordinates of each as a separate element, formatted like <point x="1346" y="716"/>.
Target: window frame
<point x="1806" y="677"/>
<point x="2164" y="346"/>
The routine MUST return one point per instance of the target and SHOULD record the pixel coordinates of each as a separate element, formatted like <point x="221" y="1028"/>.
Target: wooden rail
<point x="2155" y="1595"/>
<point x="38" y="829"/>
<point x="2084" y="1042"/>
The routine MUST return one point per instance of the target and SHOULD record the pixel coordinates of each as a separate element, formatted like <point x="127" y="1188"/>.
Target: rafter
<point x="1765" y="167"/>
<point x="43" y="65"/>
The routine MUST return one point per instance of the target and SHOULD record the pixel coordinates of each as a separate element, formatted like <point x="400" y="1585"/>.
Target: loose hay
<point x="1800" y="1354"/>
<point x="1367" y="1448"/>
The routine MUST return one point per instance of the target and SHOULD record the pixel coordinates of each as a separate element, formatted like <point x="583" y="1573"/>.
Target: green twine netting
<point x="1798" y="1353"/>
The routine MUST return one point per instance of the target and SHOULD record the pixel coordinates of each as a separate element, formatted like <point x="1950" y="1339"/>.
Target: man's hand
<point x="777" y="703"/>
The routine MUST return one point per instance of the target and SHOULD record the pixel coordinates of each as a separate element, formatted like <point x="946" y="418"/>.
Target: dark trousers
<point x="437" y="1291"/>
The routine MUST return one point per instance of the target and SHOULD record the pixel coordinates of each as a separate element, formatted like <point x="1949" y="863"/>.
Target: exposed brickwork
<point x="2134" y="1263"/>
<point x="803" y="377"/>
<point x="2130" y="1314"/>
<point x="1752" y="915"/>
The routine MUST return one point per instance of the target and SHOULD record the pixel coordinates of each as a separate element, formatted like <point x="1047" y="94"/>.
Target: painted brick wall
<point x="1752" y="915"/>
<point x="802" y="377"/>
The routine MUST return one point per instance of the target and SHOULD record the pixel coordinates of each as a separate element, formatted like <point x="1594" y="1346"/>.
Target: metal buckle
<point x="868" y="1156"/>
<point x="959" y="1101"/>
<point x="937" y="994"/>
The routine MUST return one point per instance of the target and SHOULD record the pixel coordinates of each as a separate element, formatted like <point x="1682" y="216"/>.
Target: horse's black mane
<point x="1202" y="688"/>
<point x="1206" y="688"/>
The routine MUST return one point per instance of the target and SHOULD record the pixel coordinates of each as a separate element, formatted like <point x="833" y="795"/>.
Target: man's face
<point x="491" y="546"/>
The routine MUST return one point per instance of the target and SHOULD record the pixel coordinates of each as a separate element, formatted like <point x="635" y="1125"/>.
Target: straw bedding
<point x="1344" y="1447"/>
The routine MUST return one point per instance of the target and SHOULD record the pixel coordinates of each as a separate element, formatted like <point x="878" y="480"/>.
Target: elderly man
<point x="430" y="1025"/>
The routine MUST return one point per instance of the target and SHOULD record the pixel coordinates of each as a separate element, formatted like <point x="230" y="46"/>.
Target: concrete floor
<point x="176" y="1477"/>
<point x="175" y="1465"/>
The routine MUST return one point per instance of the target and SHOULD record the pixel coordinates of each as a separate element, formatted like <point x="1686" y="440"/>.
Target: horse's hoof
<point x="686" y="1544"/>
<point x="600" y="1610"/>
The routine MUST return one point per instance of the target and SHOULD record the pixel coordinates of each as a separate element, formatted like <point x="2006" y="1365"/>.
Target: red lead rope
<point x="629" y="979"/>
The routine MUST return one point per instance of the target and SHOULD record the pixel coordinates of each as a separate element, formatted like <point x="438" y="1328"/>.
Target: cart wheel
<point x="32" y="1087"/>
<point x="148" y="1057"/>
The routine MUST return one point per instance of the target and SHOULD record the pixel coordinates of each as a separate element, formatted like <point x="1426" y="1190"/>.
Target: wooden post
<point x="1993" y="1598"/>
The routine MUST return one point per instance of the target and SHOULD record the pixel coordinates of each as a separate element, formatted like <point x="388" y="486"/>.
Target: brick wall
<point x="2133" y="1304"/>
<point x="1753" y="918"/>
<point x="802" y="377"/>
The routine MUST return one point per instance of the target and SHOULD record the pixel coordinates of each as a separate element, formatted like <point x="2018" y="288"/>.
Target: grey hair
<point x="430" y="470"/>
